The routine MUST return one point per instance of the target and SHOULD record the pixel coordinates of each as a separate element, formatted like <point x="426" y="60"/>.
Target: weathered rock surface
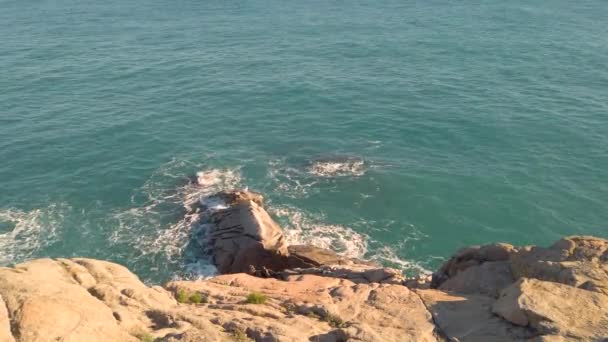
<point x="472" y="256"/>
<point x="579" y="261"/>
<point x="555" y="309"/>
<point x="488" y="279"/>
<point x="468" y="317"/>
<point x="90" y="300"/>
<point x="46" y="302"/>
<point x="308" y="307"/>
<point x="5" y="323"/>
<point x="243" y="237"/>
<point x="558" y="293"/>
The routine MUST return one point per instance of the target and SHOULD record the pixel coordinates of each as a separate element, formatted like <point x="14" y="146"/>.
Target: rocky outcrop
<point x="555" y="309"/>
<point x="578" y="261"/>
<point x="91" y="300"/>
<point x="557" y="293"/>
<point x="242" y="236"/>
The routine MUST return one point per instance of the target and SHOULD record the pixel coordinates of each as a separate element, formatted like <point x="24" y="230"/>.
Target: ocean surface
<point x="392" y="130"/>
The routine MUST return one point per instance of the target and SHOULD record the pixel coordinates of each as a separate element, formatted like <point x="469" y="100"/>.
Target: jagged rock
<point x="469" y="318"/>
<point x="578" y="261"/>
<point x="555" y="309"/>
<point x="489" y="279"/>
<point x="472" y="256"/>
<point x="243" y="236"/>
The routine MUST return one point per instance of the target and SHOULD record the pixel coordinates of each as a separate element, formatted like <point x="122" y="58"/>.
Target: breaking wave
<point x="300" y="228"/>
<point x="162" y="226"/>
<point x="23" y="233"/>
<point x="338" y="167"/>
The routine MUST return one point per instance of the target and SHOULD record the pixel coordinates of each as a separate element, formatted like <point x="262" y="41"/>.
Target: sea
<point x="391" y="130"/>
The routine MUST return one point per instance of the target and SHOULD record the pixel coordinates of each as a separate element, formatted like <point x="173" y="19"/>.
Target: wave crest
<point x="28" y="231"/>
<point x="338" y="168"/>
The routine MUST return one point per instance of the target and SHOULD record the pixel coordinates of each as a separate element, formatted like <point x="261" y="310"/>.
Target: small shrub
<point x="334" y="320"/>
<point x="145" y="337"/>
<point x="198" y="298"/>
<point x="256" y="298"/>
<point x="182" y="296"/>
<point x="239" y="335"/>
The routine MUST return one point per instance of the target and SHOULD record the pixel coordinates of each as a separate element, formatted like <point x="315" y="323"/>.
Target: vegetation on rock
<point x="256" y="298"/>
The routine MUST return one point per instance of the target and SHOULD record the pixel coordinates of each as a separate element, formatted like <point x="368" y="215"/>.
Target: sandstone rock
<point x="244" y="237"/>
<point x="5" y="323"/>
<point x="555" y="309"/>
<point x="309" y="307"/>
<point x="472" y="256"/>
<point x="358" y="273"/>
<point x="46" y="304"/>
<point x="577" y="261"/>
<point x="489" y="279"/>
<point x="469" y="318"/>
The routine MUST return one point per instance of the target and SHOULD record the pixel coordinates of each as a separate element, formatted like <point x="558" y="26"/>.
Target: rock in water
<point x="243" y="237"/>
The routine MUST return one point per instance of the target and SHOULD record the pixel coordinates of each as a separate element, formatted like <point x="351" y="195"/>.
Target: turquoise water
<point x="394" y="130"/>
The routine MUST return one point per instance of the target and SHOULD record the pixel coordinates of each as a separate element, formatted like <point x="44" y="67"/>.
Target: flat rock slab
<point x="555" y="309"/>
<point x="469" y="318"/>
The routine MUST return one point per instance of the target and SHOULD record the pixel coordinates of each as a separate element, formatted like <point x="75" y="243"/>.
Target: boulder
<point x="555" y="309"/>
<point x="472" y="256"/>
<point x="488" y="279"/>
<point x="243" y="237"/>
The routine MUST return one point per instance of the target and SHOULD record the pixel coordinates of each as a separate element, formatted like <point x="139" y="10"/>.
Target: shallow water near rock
<point x="468" y="123"/>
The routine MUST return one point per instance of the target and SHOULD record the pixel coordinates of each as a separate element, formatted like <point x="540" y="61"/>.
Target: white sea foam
<point x="150" y="227"/>
<point x="300" y="228"/>
<point x="338" y="168"/>
<point x="290" y="181"/>
<point x="386" y="255"/>
<point x="28" y="231"/>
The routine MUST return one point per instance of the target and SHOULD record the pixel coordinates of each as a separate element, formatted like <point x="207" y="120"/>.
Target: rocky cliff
<point x="274" y="292"/>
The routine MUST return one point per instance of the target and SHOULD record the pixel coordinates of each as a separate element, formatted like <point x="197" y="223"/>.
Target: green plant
<point x="185" y="297"/>
<point x="256" y="298"/>
<point x="145" y="337"/>
<point x="182" y="296"/>
<point x="239" y="335"/>
<point x="334" y="320"/>
<point x="197" y="298"/>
